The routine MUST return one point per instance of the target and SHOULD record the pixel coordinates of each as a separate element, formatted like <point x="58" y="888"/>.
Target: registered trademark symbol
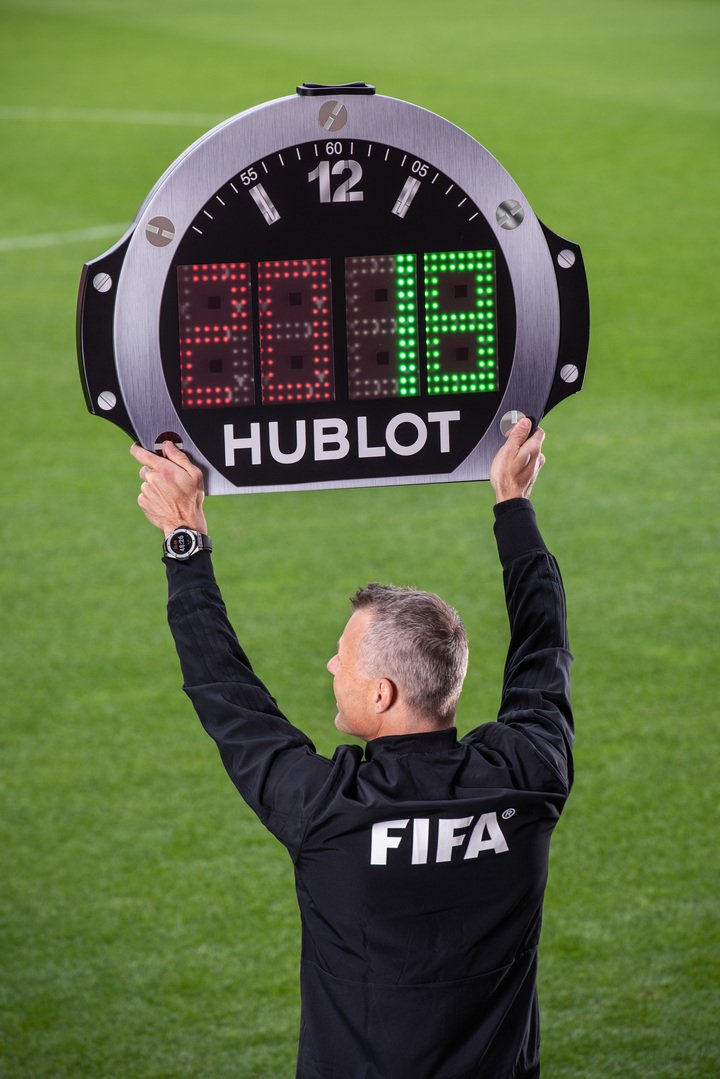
<point x="508" y="814"/>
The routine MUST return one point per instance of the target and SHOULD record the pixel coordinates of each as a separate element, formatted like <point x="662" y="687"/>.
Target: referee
<point x="420" y="862"/>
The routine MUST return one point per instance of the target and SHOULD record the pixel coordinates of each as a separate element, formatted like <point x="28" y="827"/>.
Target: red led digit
<point x="296" y="356"/>
<point x="215" y="316"/>
<point x="381" y="306"/>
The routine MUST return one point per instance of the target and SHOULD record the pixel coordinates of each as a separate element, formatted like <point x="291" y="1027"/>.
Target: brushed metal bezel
<point x="220" y="154"/>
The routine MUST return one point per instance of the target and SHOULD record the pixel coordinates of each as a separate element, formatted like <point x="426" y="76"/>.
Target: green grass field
<point x="148" y="923"/>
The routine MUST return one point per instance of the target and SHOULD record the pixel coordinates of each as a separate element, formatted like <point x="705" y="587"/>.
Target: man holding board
<point x="421" y="864"/>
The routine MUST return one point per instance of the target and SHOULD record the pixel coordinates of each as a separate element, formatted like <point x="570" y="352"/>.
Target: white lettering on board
<point x="331" y="439"/>
<point x="292" y="456"/>
<point x="420" y="434"/>
<point x="331" y="433"/>
<point x="252" y="443"/>
<point x="364" y="449"/>
<point x="444" y="419"/>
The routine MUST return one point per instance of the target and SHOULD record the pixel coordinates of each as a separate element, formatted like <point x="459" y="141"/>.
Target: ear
<point x="386" y="695"/>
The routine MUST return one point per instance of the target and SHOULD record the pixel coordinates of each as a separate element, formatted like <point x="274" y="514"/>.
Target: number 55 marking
<point x="343" y="192"/>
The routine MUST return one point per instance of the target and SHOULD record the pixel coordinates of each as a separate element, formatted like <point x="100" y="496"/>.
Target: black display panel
<point x="369" y="287"/>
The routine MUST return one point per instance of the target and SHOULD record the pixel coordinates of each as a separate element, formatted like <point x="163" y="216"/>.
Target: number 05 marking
<point x="343" y="192"/>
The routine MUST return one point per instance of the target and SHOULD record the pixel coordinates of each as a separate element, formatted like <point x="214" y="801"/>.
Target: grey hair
<point x="419" y="642"/>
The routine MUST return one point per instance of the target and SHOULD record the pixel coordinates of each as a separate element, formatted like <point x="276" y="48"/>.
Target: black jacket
<point x="420" y="868"/>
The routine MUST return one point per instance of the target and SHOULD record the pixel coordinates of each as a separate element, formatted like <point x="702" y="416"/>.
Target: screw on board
<point x="160" y="231"/>
<point x="167" y="436"/>
<point x="332" y="115"/>
<point x="566" y="259"/>
<point x="569" y="373"/>
<point x="107" y="400"/>
<point x="509" y="420"/>
<point x="102" y="282"/>
<point x="509" y="214"/>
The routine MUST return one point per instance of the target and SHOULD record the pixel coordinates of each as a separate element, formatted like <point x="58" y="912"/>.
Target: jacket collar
<point x="427" y="742"/>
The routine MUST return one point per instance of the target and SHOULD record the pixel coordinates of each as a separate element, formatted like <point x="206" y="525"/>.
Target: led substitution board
<point x="333" y="289"/>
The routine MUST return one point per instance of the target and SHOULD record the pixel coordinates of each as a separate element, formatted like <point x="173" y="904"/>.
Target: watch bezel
<point x="195" y="546"/>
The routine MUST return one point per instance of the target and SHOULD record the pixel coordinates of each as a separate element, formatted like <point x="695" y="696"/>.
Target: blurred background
<point x="147" y="922"/>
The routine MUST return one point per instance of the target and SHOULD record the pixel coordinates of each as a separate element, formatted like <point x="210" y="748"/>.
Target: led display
<point x="381" y="304"/>
<point x="215" y="335"/>
<point x="460" y="318"/>
<point x="295" y="330"/>
<point x="383" y="330"/>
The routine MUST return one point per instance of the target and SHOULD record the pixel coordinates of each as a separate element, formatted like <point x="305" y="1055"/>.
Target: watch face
<point x="181" y="543"/>
<point x="349" y="282"/>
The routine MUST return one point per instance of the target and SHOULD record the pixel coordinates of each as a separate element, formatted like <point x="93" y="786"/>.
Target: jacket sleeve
<point x="537" y="724"/>
<point x="273" y="764"/>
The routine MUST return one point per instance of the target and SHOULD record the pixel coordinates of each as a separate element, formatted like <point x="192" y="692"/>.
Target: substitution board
<point x="333" y="289"/>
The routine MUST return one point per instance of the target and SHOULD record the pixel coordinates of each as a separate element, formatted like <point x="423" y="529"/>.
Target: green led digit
<point x="382" y="319"/>
<point x="460" y="320"/>
<point x="406" y="292"/>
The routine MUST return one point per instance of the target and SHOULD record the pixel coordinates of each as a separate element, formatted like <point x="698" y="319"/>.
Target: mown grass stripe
<point x="57" y="239"/>
<point x="108" y="116"/>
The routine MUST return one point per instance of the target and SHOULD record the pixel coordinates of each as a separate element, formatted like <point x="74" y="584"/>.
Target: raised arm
<point x="535" y="696"/>
<point x="272" y="763"/>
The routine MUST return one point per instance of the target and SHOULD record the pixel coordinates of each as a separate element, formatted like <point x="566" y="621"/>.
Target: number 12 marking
<point x="343" y="192"/>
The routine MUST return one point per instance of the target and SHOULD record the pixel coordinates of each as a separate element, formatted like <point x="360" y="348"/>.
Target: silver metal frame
<point x="219" y="155"/>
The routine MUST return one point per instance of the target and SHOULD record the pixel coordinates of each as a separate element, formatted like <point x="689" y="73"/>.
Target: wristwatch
<point x="184" y="542"/>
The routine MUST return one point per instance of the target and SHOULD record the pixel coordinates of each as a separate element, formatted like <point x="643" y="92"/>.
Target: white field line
<point x="96" y="116"/>
<point x="57" y="239"/>
<point x="108" y="116"/>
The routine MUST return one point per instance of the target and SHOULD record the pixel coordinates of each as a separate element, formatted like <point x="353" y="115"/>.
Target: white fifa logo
<point x="486" y="835"/>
